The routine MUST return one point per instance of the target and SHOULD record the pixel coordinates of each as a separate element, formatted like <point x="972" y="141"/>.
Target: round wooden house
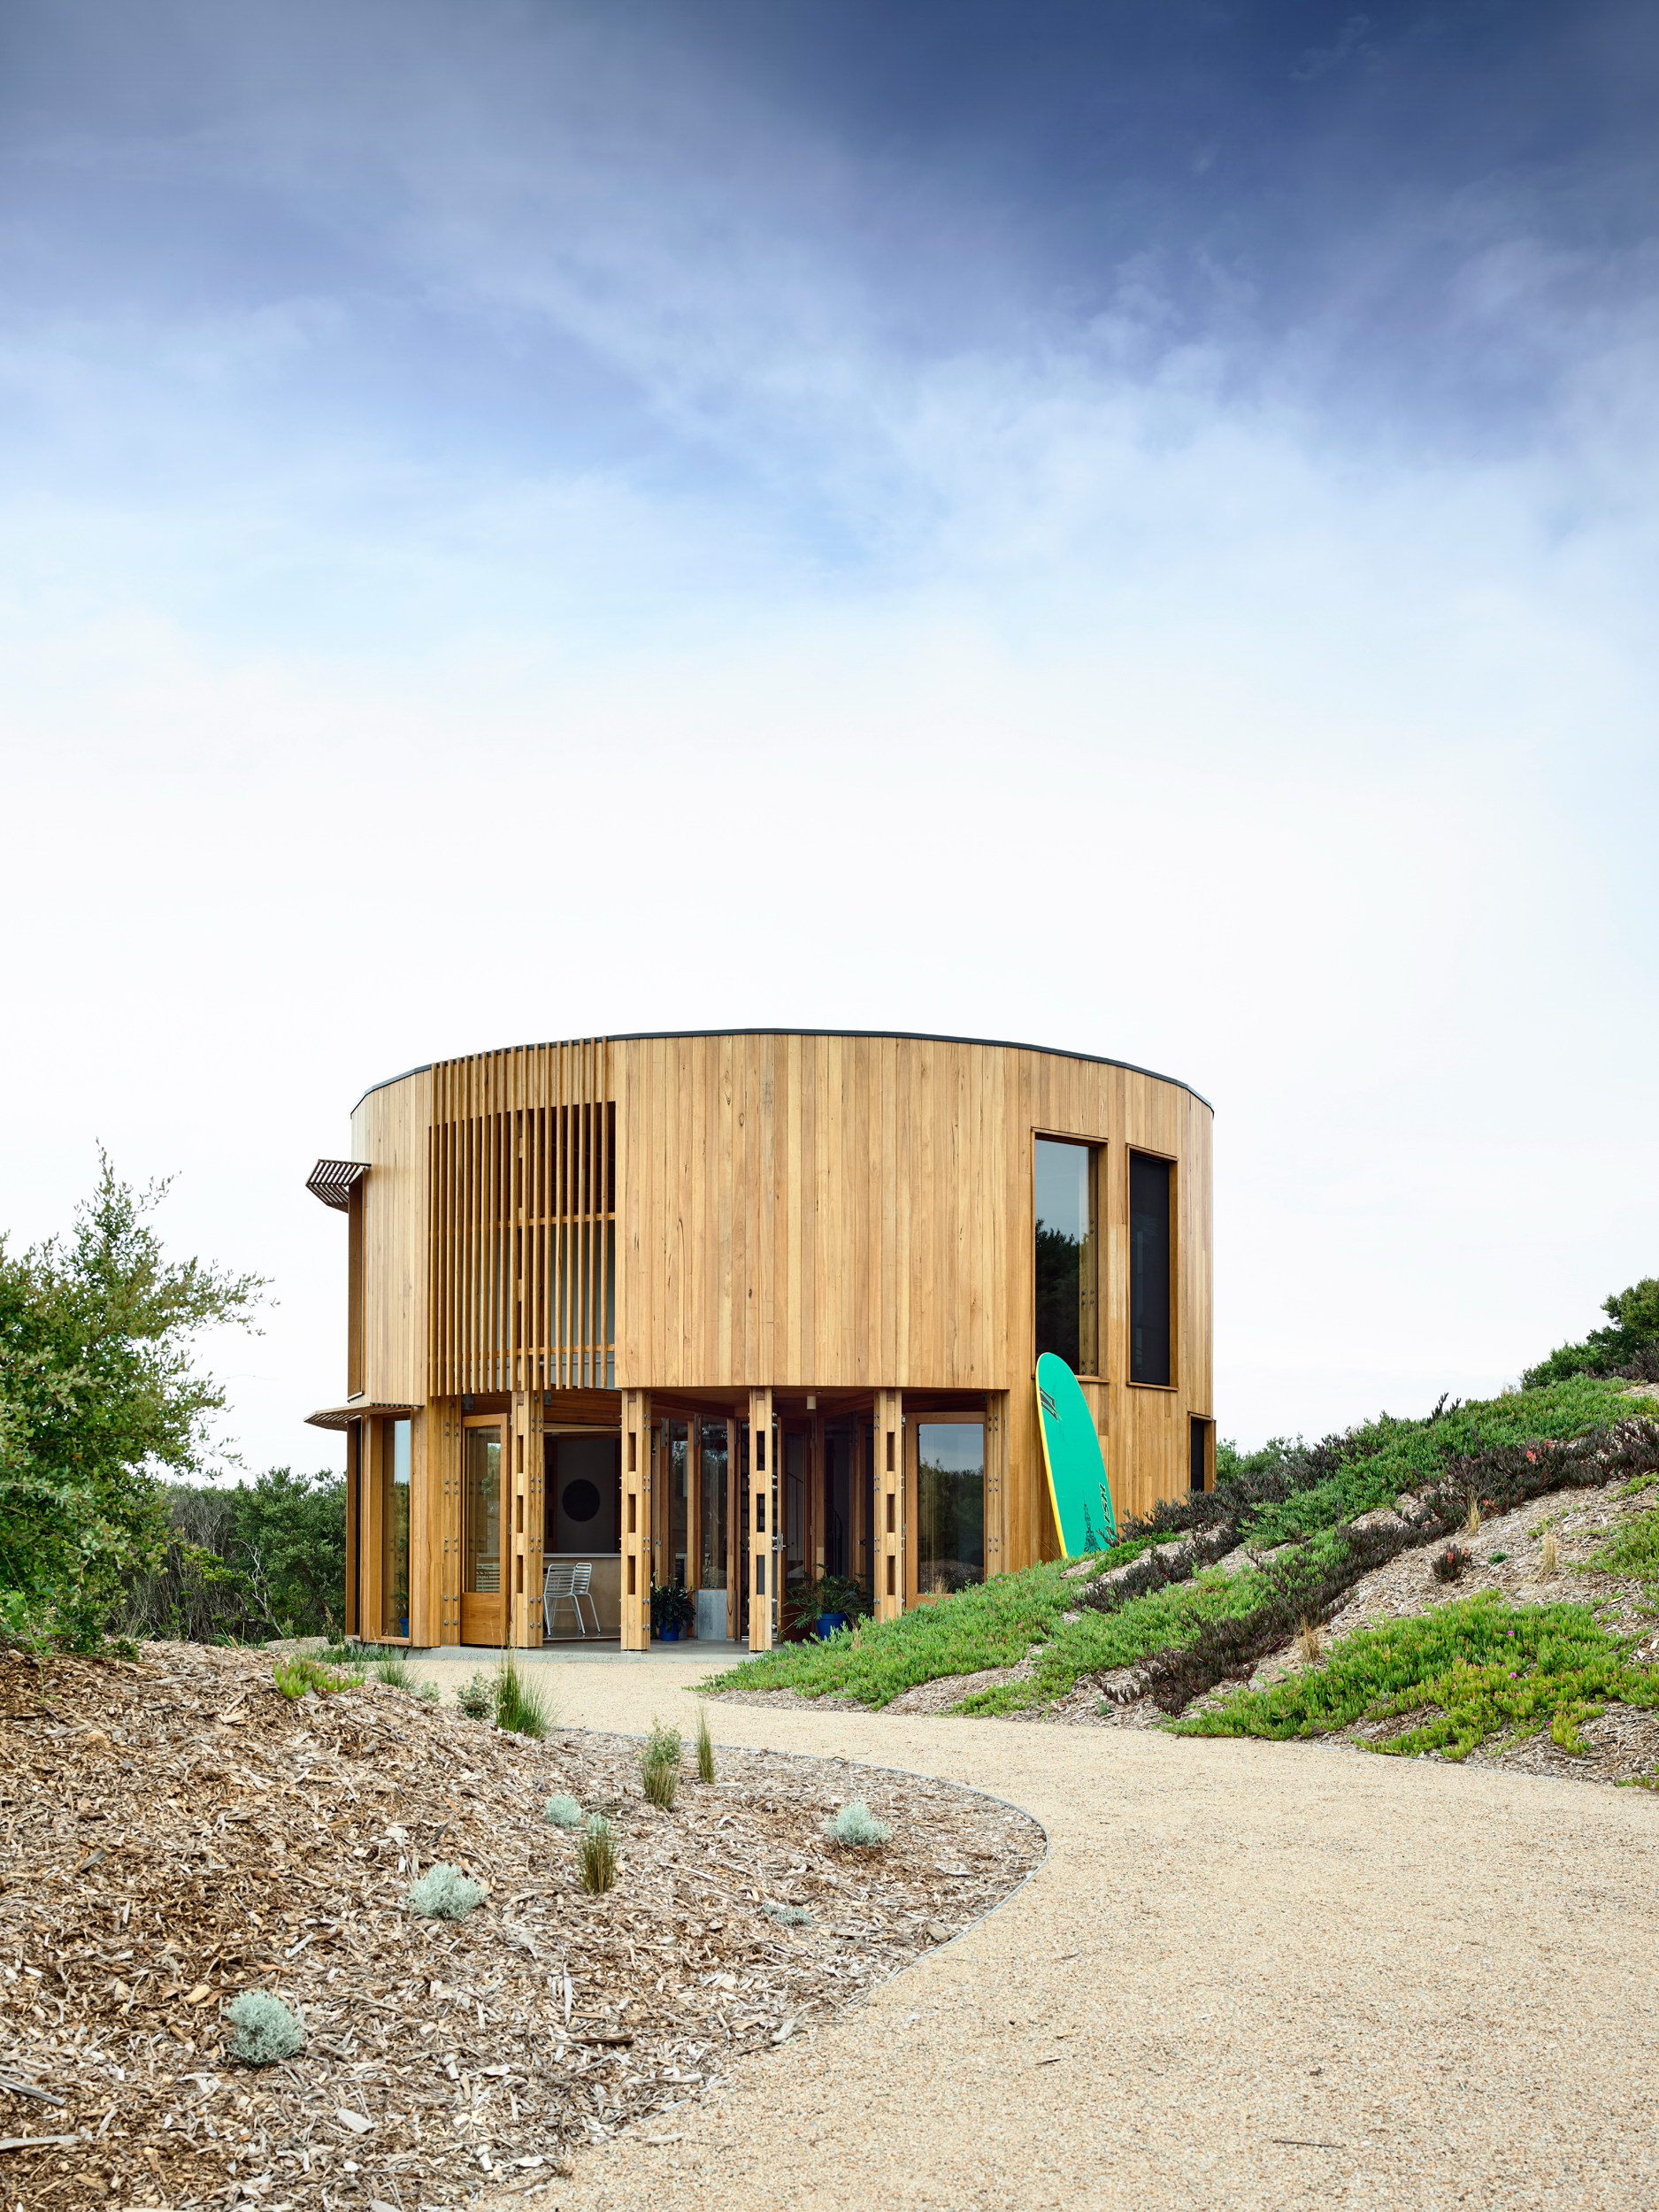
<point x="739" y="1316"/>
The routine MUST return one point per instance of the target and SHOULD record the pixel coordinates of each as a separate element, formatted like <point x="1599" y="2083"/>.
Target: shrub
<point x="705" y="1746"/>
<point x="430" y="1692"/>
<point x="522" y="1707"/>
<point x="561" y="1811"/>
<point x="476" y="1697"/>
<point x="295" y="1677"/>
<point x="788" y="1916"/>
<point x="855" y="1828"/>
<point x="1448" y="1565"/>
<point x="266" y="2030"/>
<point x="659" y="1766"/>
<point x="1617" y="1350"/>
<point x="444" y="1892"/>
<point x="596" y="1856"/>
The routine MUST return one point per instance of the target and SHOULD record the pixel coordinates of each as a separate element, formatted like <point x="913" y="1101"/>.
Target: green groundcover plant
<point x="1456" y="1676"/>
<point x="1290" y="1493"/>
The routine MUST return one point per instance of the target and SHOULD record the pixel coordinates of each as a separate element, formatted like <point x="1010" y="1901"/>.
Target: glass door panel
<point x="483" y="1614"/>
<point x="395" y="1458"/>
<point x="950" y="1506"/>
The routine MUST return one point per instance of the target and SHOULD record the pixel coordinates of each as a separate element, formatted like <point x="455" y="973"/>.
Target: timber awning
<point x="333" y="1182"/>
<point x="356" y="1409"/>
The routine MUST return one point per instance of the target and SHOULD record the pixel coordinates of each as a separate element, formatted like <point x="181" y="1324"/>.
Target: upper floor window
<point x="1066" y="1266"/>
<point x="1151" y="1195"/>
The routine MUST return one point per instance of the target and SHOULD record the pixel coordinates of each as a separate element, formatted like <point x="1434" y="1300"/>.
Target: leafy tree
<point x="245" y="1563"/>
<point x="1634" y="1314"/>
<point x="98" y="1392"/>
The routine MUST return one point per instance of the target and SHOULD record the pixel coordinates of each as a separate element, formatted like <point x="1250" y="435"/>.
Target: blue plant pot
<point x="669" y="1635"/>
<point x="828" y="1623"/>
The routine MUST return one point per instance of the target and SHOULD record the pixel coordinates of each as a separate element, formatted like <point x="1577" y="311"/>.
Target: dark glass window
<point x="1200" y="1470"/>
<point x="1149" y="1181"/>
<point x="1064" y="1256"/>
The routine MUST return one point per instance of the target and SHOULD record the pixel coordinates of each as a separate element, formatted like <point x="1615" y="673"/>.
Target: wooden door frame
<point x="501" y="1422"/>
<point x="936" y="1417"/>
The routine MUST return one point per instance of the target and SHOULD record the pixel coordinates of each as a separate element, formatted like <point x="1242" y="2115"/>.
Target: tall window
<point x="394" y="1457"/>
<point x="1151" y="1187"/>
<point x="679" y="1497"/>
<point x="949" y="1505"/>
<point x="1065" y="1253"/>
<point x="712" y="1519"/>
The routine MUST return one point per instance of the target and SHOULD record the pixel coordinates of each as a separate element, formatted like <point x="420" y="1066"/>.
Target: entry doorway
<point x="698" y="1537"/>
<point x="483" y="1524"/>
<point x="582" y="1489"/>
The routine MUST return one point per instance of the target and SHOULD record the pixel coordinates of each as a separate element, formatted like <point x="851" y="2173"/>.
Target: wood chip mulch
<point x="175" y="1830"/>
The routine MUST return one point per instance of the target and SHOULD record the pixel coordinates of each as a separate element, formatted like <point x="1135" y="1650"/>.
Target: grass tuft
<point x="596" y="1856"/>
<point x="660" y="1757"/>
<point x="705" y="1746"/>
<point x="295" y="1677"/>
<point x="523" y="1707"/>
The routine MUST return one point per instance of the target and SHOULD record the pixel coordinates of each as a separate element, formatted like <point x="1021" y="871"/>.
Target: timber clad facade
<point x="734" y="1312"/>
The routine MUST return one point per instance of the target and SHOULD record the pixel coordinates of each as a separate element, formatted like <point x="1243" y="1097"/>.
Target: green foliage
<point x="855" y="1828"/>
<point x="1633" y="1549"/>
<point x="561" y="1811"/>
<point x="705" y="1746"/>
<point x="596" y="1856"/>
<point x="804" y="1603"/>
<point x="788" y="1916"/>
<point x="1471" y="1671"/>
<point x="97" y="1392"/>
<point x="660" y="1757"/>
<point x="476" y="1697"/>
<point x="396" y="1671"/>
<point x="295" y="1677"/>
<point x="444" y="1892"/>
<point x="523" y="1706"/>
<point x="1635" y="1314"/>
<point x="1381" y="1458"/>
<point x="265" y="2030"/>
<point x="671" y="1606"/>
<point x="246" y="1563"/>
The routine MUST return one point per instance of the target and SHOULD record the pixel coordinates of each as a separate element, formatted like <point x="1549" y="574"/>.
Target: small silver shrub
<point x="266" y="2029"/>
<point x="790" y="1915"/>
<point x="562" y="1812"/>
<point x="477" y="1698"/>
<point x="444" y="1892"/>
<point x="855" y="1828"/>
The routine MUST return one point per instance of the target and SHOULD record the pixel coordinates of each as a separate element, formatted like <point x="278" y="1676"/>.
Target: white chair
<point x="569" y="1586"/>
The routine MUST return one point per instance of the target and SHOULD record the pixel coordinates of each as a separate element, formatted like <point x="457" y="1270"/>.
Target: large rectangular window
<point x="1151" y="1188"/>
<point x="949" y="1506"/>
<point x="395" y="1463"/>
<point x="679" y="1435"/>
<point x="1066" y="1304"/>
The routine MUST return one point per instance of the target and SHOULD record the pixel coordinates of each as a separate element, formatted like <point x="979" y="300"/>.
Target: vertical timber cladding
<point x="523" y="1183"/>
<point x="821" y="1211"/>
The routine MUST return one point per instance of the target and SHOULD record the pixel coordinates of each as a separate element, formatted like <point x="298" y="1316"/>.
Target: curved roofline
<point x="897" y="1036"/>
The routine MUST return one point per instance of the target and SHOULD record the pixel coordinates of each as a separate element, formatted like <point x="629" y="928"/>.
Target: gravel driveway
<point x="1247" y="1975"/>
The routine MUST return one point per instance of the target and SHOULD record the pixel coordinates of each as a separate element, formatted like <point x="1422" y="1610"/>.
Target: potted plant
<point x="671" y="1610"/>
<point x="825" y="1603"/>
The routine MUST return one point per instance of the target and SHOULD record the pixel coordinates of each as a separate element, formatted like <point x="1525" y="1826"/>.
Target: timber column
<point x="888" y="1550"/>
<point x="526" y="1528"/>
<point x="636" y="1520"/>
<point x="760" y="1512"/>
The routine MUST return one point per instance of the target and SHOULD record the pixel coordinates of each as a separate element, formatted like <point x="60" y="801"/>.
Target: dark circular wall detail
<point x="579" y="1500"/>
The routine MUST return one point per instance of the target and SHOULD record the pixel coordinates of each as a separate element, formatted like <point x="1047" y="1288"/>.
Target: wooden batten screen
<point x="523" y="1167"/>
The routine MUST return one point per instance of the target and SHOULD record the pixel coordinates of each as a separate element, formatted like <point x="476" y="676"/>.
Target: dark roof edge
<point x="898" y="1036"/>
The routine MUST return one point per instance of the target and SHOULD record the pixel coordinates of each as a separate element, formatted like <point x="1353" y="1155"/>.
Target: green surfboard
<point x="1071" y="1450"/>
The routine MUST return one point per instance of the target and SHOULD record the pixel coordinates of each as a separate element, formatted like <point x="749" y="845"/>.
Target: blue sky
<point x="1129" y="527"/>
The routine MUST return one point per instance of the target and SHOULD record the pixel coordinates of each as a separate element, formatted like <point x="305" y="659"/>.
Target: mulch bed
<point x="173" y="1831"/>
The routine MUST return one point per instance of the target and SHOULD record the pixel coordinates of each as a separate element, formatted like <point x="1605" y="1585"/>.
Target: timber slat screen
<point x="524" y="1223"/>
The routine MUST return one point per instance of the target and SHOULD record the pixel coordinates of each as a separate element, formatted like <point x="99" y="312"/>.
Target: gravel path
<point x="1247" y="1976"/>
